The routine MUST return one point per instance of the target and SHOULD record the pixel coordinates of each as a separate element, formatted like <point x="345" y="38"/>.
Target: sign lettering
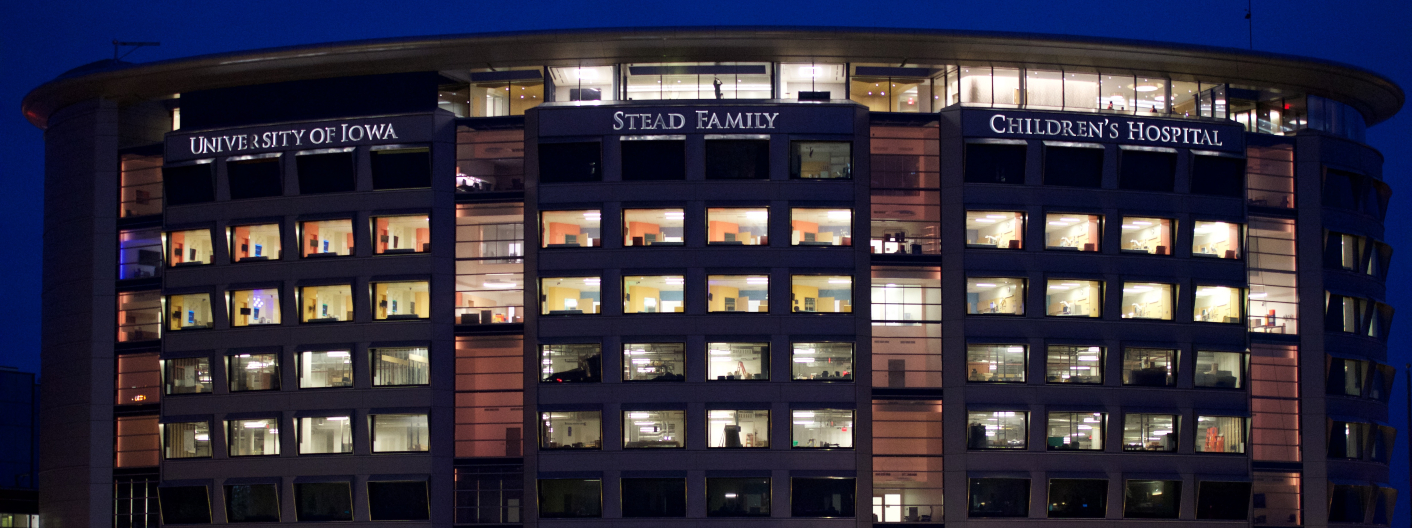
<point x="702" y="119"/>
<point x="300" y="137"/>
<point x="1106" y="128"/>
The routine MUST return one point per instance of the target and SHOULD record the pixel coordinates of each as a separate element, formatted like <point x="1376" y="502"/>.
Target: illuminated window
<point x="253" y="243"/>
<point x="1219" y="304"/>
<point x="738" y="293"/>
<point x="995" y="363"/>
<point x="654" y="429"/>
<point x="1216" y="240"/>
<point x="652" y="227"/>
<point x="570" y="295"/>
<point x="995" y="229"/>
<point x="326" y="238"/>
<point x="821" y="227"/>
<point x="737" y="361"/>
<point x="253" y="372"/>
<point x="258" y="437"/>
<point x="1147" y="300"/>
<point x="1150" y="367"/>
<point x="571" y="430"/>
<point x="1074" y="364"/>
<point x="653" y="294"/>
<point x="571" y="363"/>
<point x="1074" y="298"/>
<point x="254" y="307"/>
<point x="822" y="294"/>
<point x="737" y="429"/>
<point x="821" y="428"/>
<point x="997" y="430"/>
<point x="823" y="361"/>
<point x="1073" y="232"/>
<point x="570" y="229"/>
<point x="326" y="304"/>
<point x="189" y="248"/>
<point x="323" y="435"/>
<point x="394" y="235"/>
<point x="1152" y="236"/>
<point x="394" y="301"/>
<point x="400" y="433"/>
<point x="654" y="362"/>
<point x="1150" y="432"/>
<point x="324" y="369"/>
<point x="1220" y="434"/>
<point x="186" y="440"/>
<point x="743" y="226"/>
<point x="189" y="312"/>
<point x="995" y="296"/>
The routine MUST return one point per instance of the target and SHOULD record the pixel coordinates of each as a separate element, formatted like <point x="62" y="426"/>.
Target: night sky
<point x="44" y="39"/>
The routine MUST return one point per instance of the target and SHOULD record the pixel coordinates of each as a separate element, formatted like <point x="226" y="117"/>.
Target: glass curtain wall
<point x="490" y="249"/>
<point x="1274" y="296"/>
<point x="905" y="180"/>
<point x="697" y="80"/>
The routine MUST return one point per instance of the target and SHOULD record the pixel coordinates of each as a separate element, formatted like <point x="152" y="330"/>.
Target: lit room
<point x="1218" y="304"/>
<point x="653" y="294"/>
<point x="738" y="226"/>
<point x="822" y="294"/>
<point x="569" y="295"/>
<point x="737" y="361"/>
<point x="654" y="429"/>
<point x="253" y="437"/>
<point x="327" y="304"/>
<point x="1152" y="236"/>
<point x="652" y="227"/>
<point x="906" y="293"/>
<point x="253" y="372"/>
<point x="889" y="88"/>
<point x="1150" y="367"/>
<point x="321" y="369"/>
<point x="798" y="77"/>
<point x="821" y="227"/>
<point x="189" y="312"/>
<point x="1074" y="364"/>
<point x="1075" y="431"/>
<point x="738" y="429"/>
<point x="400" y="433"/>
<point x="325" y="435"/>
<point x="327" y="238"/>
<point x="254" y="307"/>
<point x="995" y="296"/>
<point x="570" y="229"/>
<point x="654" y="362"/>
<point x="571" y="430"/>
<point x="1216" y="240"/>
<point x="822" y="428"/>
<point x="738" y="293"/>
<point x="996" y="430"/>
<point x="1223" y="370"/>
<point x="490" y="298"/>
<point x="571" y="363"/>
<point x="400" y="366"/>
<point x="821" y="160"/>
<point x="583" y="83"/>
<point x="188" y="375"/>
<point x="139" y="253"/>
<point x="995" y="229"/>
<point x="1074" y="298"/>
<point x="823" y="361"/>
<point x="401" y="234"/>
<point x="1220" y="434"/>
<point x="995" y="363"/>
<point x="1147" y="300"/>
<point x="254" y="242"/>
<point x="400" y="300"/>
<point x="698" y="80"/>
<point x="1150" y="432"/>
<point x="1073" y="232"/>
<point x="189" y="248"/>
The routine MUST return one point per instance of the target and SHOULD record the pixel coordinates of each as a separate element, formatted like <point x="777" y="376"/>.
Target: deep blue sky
<point x="46" y="38"/>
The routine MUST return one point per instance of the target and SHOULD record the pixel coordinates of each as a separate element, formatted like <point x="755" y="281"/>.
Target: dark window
<point x="1000" y="497"/>
<point x="569" y="498"/>
<point x="1223" y="500"/>
<point x="258" y="178"/>
<point x="654" y="160"/>
<point x="1073" y="167"/>
<point x="1152" y="499"/>
<point x="323" y="501"/>
<point x="252" y="503"/>
<point x="401" y="168"/>
<point x="1348" y="504"/>
<point x="822" y="497"/>
<point x="1078" y="498"/>
<point x="570" y="162"/>
<point x="1218" y="176"/>
<point x="1339" y="190"/>
<point x="821" y="160"/>
<point x="1146" y="170"/>
<point x="737" y="497"/>
<point x="489" y="493"/>
<point x="654" y="497"/>
<point x="988" y="163"/>
<point x="326" y="173"/>
<point x="185" y="505"/>
<point x="398" y="501"/>
<point x="737" y="160"/>
<point x="189" y="184"/>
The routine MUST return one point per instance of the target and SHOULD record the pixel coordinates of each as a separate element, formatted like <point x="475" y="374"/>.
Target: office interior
<point x="995" y="296"/>
<point x="327" y="304"/>
<point x="1147" y="300"/>
<point x="253" y="372"/>
<point x="821" y="159"/>
<point x="187" y="439"/>
<point x="653" y="294"/>
<point x="823" y="361"/>
<point x="395" y="433"/>
<point x="737" y="361"/>
<point x="887" y="89"/>
<point x="188" y="375"/>
<point x="739" y="226"/>
<point x="996" y="430"/>
<point x="327" y="237"/>
<point x="797" y="77"/>
<point x="1220" y="434"/>
<point x="1074" y="298"/>
<point x="822" y="293"/>
<point x="395" y="366"/>
<point x="141" y="185"/>
<point x="652" y="227"/>
<point x="995" y="229"/>
<point x="696" y="80"/>
<point x="1225" y="370"/>
<point x="1074" y="364"/>
<point x="191" y="311"/>
<point x="1219" y="304"/>
<point x="1150" y="432"/>
<point x="190" y="247"/>
<point x="571" y="430"/>
<point x="324" y="368"/>
<point x="1151" y="367"/>
<point x="401" y="234"/>
<point x="254" y="242"/>
<point x="738" y="429"/>
<point x="584" y="83"/>
<point x="1147" y="235"/>
<point x="254" y="307"/>
<point x="654" y="429"/>
<point x="401" y="300"/>
<point x="579" y="362"/>
<point x="253" y="437"/>
<point x="654" y="362"/>
<point x="1073" y="232"/>
<point x="1216" y="240"/>
<point x="907" y="293"/>
<point x="821" y="227"/>
<point x="139" y="253"/>
<point x="490" y="298"/>
<point x="570" y="228"/>
<point x="986" y="363"/>
<point x="1075" y="430"/>
<point x="821" y="428"/>
<point x="139" y="316"/>
<point x="325" y="435"/>
<point x="738" y="293"/>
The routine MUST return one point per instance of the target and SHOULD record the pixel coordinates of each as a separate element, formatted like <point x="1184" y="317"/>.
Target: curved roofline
<point x="1376" y="96"/>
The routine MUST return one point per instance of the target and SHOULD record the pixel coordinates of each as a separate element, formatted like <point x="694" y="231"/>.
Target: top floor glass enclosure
<point x="906" y="88"/>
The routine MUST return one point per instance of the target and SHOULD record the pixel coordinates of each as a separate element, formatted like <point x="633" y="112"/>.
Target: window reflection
<point x="737" y="361"/>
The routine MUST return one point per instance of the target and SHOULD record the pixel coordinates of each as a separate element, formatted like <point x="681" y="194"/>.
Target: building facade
<point x="856" y="277"/>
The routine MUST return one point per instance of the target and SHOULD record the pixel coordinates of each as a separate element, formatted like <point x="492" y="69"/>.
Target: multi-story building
<point x="767" y="276"/>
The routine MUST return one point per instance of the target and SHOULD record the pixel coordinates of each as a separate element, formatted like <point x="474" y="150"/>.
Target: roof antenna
<point x="1249" y="24"/>
<point x="117" y="46"/>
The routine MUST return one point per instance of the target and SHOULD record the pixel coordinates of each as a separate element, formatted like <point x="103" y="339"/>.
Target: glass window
<point x="906" y="355"/>
<point x="189" y="248"/>
<point x="1118" y="95"/>
<point x="398" y="167"/>
<point x="698" y="80"/>
<point x="737" y="429"/>
<point x="570" y="162"/>
<point x="1270" y="176"/>
<point x="505" y="92"/>
<point x="140" y="316"/>
<point x="1077" y="498"/>
<point x="185" y="504"/>
<point x="253" y="372"/>
<point x="323" y="501"/>
<point x="823" y="361"/>
<point x="326" y="304"/>
<point x="400" y="433"/>
<point x="995" y="229"/>
<point x="571" y="430"/>
<point x="821" y="159"/>
<point x="1152" y="499"/>
<point x="797" y="80"/>
<point x="821" y="428"/>
<point x="324" y="369"/>
<point x="822" y="497"/>
<point x="737" y="159"/>
<point x="1150" y="367"/>
<point x="1223" y="500"/>
<point x="1220" y="434"/>
<point x="906" y="294"/>
<point x="569" y="295"/>
<point x="1073" y="232"/>
<point x="253" y="243"/>
<point x="253" y="437"/>
<point x="190" y="184"/>
<point x="1147" y="300"/>
<point x="189" y="312"/>
<point x="995" y="363"/>
<point x="822" y="293"/>
<point x="576" y="363"/>
<point x="996" y="430"/>
<point x="1076" y="431"/>
<point x="141" y="185"/>
<point x="743" y="226"/>
<point x="188" y="375"/>
<point x="327" y="238"/>
<point x="398" y="501"/>
<point x="999" y="497"/>
<point x="995" y="163"/>
<point x="652" y="227"/>
<point x="654" y="362"/>
<point x="394" y="235"/>
<point x="654" y="497"/>
<point x="821" y="227"/>
<point x="1218" y="176"/>
<point x="139" y="379"/>
<point x="323" y="435"/>
<point x="254" y="177"/>
<point x="326" y="170"/>
<point x="737" y="361"/>
<point x="654" y="429"/>
<point x="1074" y="364"/>
<point x="1151" y="96"/>
<point x="252" y="503"/>
<point x="995" y="296"/>
<point x="572" y="229"/>
<point x="1347" y="503"/>
<point x="583" y="83"/>
<point x="1075" y="165"/>
<point x="738" y="497"/>
<point x="1347" y="439"/>
<point x="1152" y="236"/>
<point x="400" y="300"/>
<point x="738" y="293"/>
<point x="1074" y="298"/>
<point x="653" y="159"/>
<point x="400" y="366"/>
<point x="905" y="221"/>
<point x="1081" y="91"/>
<point x="489" y="160"/>
<point x="139" y="253"/>
<point x="1140" y="169"/>
<point x="1220" y="369"/>
<point x="1006" y="87"/>
<point x="653" y="294"/>
<point x="137" y="443"/>
<point x="187" y="440"/>
<point x="570" y="498"/>
<point x="1150" y="432"/>
<point x="254" y="307"/>
<point x="490" y="279"/>
<point x="1216" y="239"/>
<point x="489" y="492"/>
<point x="1044" y="89"/>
